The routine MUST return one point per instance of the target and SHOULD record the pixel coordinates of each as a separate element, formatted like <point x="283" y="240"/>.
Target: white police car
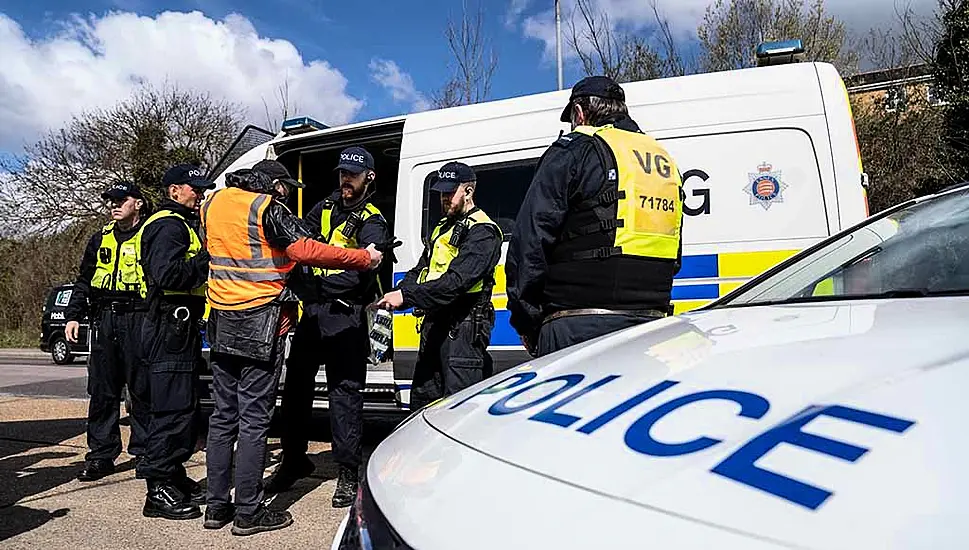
<point x="822" y="405"/>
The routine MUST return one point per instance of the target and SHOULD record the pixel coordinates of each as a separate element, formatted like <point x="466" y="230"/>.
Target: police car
<point x="820" y="405"/>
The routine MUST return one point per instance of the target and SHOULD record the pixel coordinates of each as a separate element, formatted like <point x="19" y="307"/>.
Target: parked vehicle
<point x="817" y="406"/>
<point x="52" y="339"/>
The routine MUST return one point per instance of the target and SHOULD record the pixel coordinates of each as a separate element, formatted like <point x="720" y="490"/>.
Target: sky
<point x="343" y="61"/>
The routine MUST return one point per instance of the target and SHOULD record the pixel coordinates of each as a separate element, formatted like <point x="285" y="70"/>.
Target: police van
<point x="769" y="159"/>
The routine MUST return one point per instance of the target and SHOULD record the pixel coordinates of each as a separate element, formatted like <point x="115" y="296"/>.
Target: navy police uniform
<point x="176" y="270"/>
<point x="107" y="292"/>
<point x="566" y="281"/>
<point x="450" y="288"/>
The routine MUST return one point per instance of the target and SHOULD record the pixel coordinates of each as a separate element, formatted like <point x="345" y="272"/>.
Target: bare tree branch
<point x="59" y="179"/>
<point x="474" y="61"/>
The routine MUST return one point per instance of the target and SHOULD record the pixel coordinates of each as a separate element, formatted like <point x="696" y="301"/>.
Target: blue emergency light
<point x="301" y="125"/>
<point x="780" y="52"/>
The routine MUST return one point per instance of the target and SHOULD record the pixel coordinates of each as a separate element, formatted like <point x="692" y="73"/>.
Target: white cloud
<point x="95" y="62"/>
<point x="400" y="84"/>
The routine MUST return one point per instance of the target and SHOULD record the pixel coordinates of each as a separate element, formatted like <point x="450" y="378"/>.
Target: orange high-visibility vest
<point x="244" y="271"/>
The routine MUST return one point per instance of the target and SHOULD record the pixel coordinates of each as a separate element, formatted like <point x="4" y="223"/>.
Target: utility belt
<point x="644" y="313"/>
<point x="121" y="304"/>
<point x="480" y="314"/>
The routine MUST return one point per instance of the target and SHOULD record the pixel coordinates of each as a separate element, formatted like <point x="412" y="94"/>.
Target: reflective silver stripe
<point x="253" y="263"/>
<point x="255" y="243"/>
<point x="248" y="276"/>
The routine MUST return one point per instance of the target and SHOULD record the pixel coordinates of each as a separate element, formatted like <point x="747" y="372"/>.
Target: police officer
<point x="175" y="269"/>
<point x="108" y="291"/>
<point x="597" y="240"/>
<point x="254" y="242"/>
<point x="334" y="331"/>
<point x="450" y="288"/>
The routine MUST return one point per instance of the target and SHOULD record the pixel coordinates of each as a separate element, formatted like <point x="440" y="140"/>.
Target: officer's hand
<point x="391" y="300"/>
<point x="71" y="330"/>
<point x="375" y="256"/>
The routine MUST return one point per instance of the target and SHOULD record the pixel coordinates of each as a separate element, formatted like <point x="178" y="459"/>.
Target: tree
<point x="474" y="62"/>
<point x="623" y="55"/>
<point x="952" y="79"/>
<point x="732" y="29"/>
<point x="58" y="181"/>
<point x="284" y="107"/>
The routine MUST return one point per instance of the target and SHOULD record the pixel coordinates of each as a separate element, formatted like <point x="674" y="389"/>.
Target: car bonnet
<point x="815" y="424"/>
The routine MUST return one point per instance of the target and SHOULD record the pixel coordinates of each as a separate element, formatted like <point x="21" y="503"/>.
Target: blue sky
<point x="346" y="60"/>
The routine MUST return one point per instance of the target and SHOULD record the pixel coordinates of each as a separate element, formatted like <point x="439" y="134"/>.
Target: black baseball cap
<point x="187" y="173"/>
<point x="452" y="175"/>
<point x="276" y="171"/>
<point x="599" y="86"/>
<point x="121" y="190"/>
<point x="355" y="160"/>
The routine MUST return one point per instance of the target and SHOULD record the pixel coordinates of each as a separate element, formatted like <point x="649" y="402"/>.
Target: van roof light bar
<point x="301" y="125"/>
<point x="780" y="52"/>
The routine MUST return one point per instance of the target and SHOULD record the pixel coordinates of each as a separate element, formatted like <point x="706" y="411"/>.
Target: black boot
<point x="288" y="473"/>
<point x="217" y="517"/>
<point x="191" y="488"/>
<point x="261" y="521"/>
<point x="95" y="470"/>
<point x="346" y="488"/>
<point x="164" y="500"/>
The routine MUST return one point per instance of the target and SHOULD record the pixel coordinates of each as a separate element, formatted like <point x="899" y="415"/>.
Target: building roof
<point x="887" y="78"/>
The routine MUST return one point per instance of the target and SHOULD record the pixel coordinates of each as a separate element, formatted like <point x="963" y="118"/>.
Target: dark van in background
<point x="52" y="325"/>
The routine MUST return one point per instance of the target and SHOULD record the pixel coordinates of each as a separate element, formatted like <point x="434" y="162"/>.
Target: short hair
<point x="597" y="110"/>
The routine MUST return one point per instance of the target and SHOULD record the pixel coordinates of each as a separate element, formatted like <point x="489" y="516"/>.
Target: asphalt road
<point x="33" y="373"/>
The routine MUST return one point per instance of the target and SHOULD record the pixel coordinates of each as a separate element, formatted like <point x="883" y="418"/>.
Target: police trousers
<point x="173" y="346"/>
<point x="116" y="361"/>
<point x="245" y="397"/>
<point x="452" y="357"/>
<point x="569" y="331"/>
<point x="344" y="356"/>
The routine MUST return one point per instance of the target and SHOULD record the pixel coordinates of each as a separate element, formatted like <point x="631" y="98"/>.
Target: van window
<point x="500" y="192"/>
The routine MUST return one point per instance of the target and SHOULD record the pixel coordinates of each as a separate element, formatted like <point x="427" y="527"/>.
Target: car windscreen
<point x="918" y="250"/>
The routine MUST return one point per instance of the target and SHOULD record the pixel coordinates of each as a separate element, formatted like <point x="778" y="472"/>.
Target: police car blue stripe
<point x="699" y="267"/>
<point x="696" y="292"/>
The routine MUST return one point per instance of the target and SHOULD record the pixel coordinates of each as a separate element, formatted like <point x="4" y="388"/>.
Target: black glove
<point x="387" y="249"/>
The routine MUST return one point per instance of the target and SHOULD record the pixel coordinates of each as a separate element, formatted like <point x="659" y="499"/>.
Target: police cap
<point x="452" y="175"/>
<point x="122" y="190"/>
<point x="187" y="173"/>
<point x="276" y="171"/>
<point x="598" y="86"/>
<point x="355" y="160"/>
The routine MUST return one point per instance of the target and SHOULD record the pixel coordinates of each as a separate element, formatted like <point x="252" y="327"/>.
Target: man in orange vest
<point x="254" y="242"/>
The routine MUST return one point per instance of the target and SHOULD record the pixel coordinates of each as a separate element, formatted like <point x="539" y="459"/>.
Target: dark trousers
<point x="116" y="360"/>
<point x="569" y="331"/>
<point x="451" y="358"/>
<point x="345" y="358"/>
<point x="173" y="351"/>
<point x="245" y="396"/>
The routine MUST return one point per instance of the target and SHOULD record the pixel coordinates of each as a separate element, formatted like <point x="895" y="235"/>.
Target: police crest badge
<point x="765" y="186"/>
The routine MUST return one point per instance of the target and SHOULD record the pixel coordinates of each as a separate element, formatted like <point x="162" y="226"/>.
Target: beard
<point x="451" y="209"/>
